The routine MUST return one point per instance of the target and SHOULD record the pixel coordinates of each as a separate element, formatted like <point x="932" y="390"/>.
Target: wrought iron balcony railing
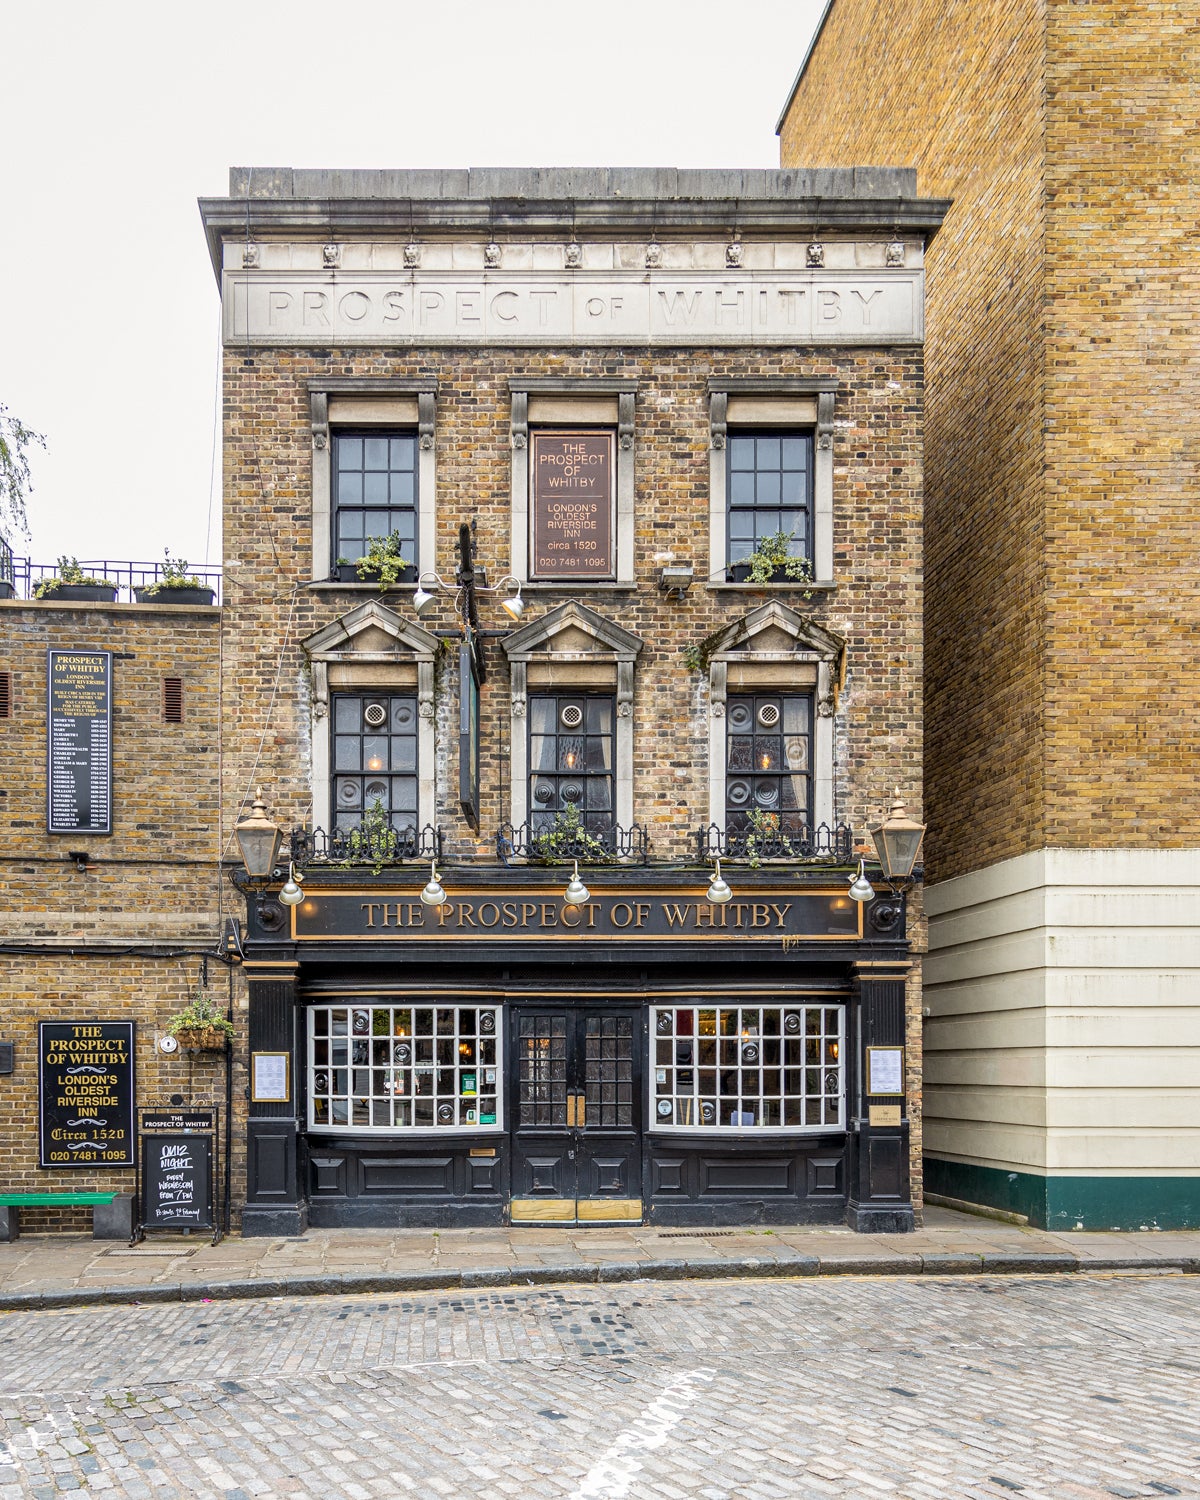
<point x="20" y="576"/>
<point x="365" y="844"/>
<point x="562" y="846"/>
<point x="777" y="839"/>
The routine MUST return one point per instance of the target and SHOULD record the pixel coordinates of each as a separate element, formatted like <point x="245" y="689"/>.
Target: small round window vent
<point x="572" y="715"/>
<point x="768" y="714"/>
<point x="375" y="714"/>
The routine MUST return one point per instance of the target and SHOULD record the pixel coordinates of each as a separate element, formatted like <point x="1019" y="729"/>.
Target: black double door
<point x="576" y="1108"/>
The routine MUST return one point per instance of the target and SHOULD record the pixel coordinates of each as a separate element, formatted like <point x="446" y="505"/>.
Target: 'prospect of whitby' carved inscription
<point x="381" y="308"/>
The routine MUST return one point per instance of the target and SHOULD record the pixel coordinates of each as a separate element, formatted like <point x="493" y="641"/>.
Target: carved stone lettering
<point x="671" y="308"/>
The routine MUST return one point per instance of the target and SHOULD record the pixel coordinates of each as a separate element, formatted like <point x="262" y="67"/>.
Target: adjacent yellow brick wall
<point x="955" y="89"/>
<point x="1061" y="453"/>
<point x="123" y="941"/>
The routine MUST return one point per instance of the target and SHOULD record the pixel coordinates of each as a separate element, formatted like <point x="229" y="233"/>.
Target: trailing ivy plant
<point x="567" y="839"/>
<point x="764" y="838"/>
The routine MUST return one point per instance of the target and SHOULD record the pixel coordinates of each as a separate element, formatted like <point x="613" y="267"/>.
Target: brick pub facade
<point x="602" y="392"/>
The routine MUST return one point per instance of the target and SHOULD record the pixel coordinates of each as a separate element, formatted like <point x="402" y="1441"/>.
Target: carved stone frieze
<point x="573" y="256"/>
<point x="331" y="255"/>
<point x="250" y="256"/>
<point x="412" y="255"/>
<point x="814" y="256"/>
<point x="491" y="255"/>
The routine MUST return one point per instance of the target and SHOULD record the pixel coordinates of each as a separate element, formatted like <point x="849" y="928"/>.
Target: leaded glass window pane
<point x="571" y="739"/>
<point x="376" y="1067"/>
<point x="375" y="738"/>
<point x="748" y="1067"/>
<point x="768" y="758"/>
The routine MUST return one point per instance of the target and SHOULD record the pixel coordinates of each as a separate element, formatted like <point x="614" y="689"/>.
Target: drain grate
<point x="698" y="1234"/>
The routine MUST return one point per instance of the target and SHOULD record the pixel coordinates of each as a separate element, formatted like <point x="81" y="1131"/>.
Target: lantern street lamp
<point x="258" y="841"/>
<point x="897" y="843"/>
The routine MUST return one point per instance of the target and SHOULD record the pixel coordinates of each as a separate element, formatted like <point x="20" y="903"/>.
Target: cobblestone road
<point x="1067" y="1386"/>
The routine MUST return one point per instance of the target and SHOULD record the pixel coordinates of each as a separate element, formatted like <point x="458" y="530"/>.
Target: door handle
<point x="576" y="1109"/>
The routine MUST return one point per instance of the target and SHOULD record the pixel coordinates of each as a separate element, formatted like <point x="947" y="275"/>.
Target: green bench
<point x="112" y="1213"/>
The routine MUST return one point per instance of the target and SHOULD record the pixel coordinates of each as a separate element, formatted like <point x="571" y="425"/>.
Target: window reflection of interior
<point x="767" y="763"/>
<point x="748" y="1067"/>
<point x="571" y="760"/>
<point x="404" y="1067"/>
<point x="375" y="758"/>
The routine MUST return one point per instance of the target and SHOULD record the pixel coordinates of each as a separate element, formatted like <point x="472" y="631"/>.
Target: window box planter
<point x="151" y="595"/>
<point x="740" y="573"/>
<point x="348" y="573"/>
<point x="93" y="593"/>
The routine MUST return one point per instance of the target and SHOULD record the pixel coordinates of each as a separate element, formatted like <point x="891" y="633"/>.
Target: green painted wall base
<point x="1071" y="1202"/>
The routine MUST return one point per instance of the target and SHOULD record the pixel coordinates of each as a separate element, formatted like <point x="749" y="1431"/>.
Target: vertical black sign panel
<point x="79" y="742"/>
<point x="177" y="1180"/>
<point x="85" y="1094"/>
<point x="468" y="735"/>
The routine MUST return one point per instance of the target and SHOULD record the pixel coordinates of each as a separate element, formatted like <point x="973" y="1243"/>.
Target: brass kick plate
<point x="542" y="1210"/>
<point x="610" y="1210"/>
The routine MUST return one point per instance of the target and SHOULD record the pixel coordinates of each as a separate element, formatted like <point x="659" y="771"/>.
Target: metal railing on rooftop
<point x="20" y="576"/>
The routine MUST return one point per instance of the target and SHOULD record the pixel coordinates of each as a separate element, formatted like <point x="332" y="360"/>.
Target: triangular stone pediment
<point x="573" y="629"/>
<point x="370" y="629"/>
<point x="774" y="629"/>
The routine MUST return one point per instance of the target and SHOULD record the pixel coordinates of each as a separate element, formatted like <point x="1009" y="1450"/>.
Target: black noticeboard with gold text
<point x="86" y="1093"/>
<point x="79" y="742"/>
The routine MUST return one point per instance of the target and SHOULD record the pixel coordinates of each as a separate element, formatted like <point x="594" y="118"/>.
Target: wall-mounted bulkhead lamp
<point x="675" y="580"/>
<point x="897" y="843"/>
<point x="258" y="840"/>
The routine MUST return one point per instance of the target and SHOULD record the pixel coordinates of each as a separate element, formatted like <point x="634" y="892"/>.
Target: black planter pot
<point x="348" y="573"/>
<point x="91" y="593"/>
<point x="151" y="595"/>
<point x="7" y="590"/>
<point x="740" y="573"/>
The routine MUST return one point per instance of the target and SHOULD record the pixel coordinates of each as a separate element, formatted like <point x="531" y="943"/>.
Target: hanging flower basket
<point x="200" y="1026"/>
<point x="201" y="1039"/>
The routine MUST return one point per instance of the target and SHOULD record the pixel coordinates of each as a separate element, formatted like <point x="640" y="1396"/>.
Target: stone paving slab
<point x="67" y="1268"/>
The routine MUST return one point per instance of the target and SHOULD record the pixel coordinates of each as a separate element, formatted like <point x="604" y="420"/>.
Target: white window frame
<point x="401" y="405"/>
<point x="608" y="667"/>
<point x="800" y="1004"/>
<point x="799" y="405"/>
<point x="392" y="1003"/>
<point x="565" y="404"/>
<point x="372" y="648"/>
<point x="813" y="663"/>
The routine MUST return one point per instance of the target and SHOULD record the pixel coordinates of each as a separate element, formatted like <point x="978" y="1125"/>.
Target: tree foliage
<point x="15" y="442"/>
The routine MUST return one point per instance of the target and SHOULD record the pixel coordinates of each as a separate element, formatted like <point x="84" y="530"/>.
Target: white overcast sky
<point x="116" y="117"/>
